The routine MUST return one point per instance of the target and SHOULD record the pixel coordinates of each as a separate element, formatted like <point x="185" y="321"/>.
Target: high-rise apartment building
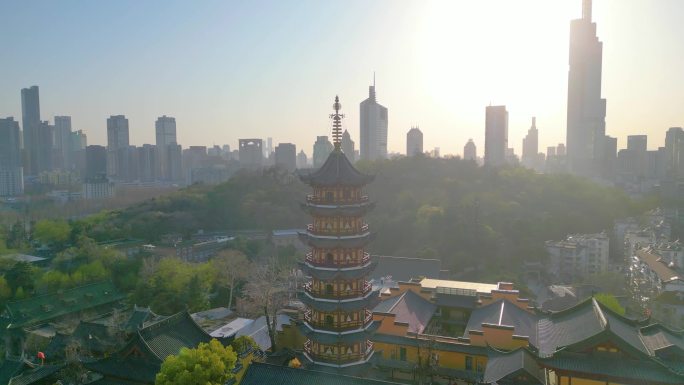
<point x="586" y="112"/>
<point x="117" y="146"/>
<point x="373" y="128"/>
<point x="11" y="170"/>
<point x="147" y="163"/>
<point x="496" y="135"/>
<point x="286" y="156"/>
<point x="321" y="149"/>
<point x="63" y="142"/>
<point x="96" y="163"/>
<point x="348" y="146"/>
<point x="470" y="151"/>
<point x="302" y="160"/>
<point x="414" y="142"/>
<point x="165" y="133"/>
<point x="251" y="153"/>
<point x="37" y="135"/>
<point x="530" y="147"/>
<point x="674" y="152"/>
<point x="638" y="145"/>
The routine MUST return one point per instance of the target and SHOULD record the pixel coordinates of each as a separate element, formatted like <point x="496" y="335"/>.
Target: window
<point x="328" y="320"/>
<point x="329" y="196"/>
<point x="468" y="363"/>
<point x="402" y="354"/>
<point x="329" y="289"/>
<point x="329" y="258"/>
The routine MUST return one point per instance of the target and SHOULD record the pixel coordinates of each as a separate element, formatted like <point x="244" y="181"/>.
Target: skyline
<point x="404" y="45"/>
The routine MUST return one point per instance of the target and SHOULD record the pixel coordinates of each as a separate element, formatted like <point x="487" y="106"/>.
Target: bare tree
<point x="231" y="267"/>
<point x="267" y="292"/>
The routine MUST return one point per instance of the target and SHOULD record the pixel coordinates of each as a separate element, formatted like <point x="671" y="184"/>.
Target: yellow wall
<point x="565" y="380"/>
<point x="499" y="338"/>
<point x="447" y="359"/>
<point x="388" y="325"/>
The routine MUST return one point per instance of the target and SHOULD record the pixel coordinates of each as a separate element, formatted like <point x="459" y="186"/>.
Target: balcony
<point x="338" y="295"/>
<point x="332" y="326"/>
<point x="312" y="199"/>
<point x="338" y="232"/>
<point x="340" y="264"/>
<point x="337" y="358"/>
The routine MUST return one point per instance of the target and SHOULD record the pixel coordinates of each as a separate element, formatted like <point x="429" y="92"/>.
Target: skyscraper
<point x="348" y="146"/>
<point x="302" y="160"/>
<point x="530" y="146"/>
<point x="414" y="142"/>
<point x="117" y="145"/>
<point x="251" y="153"/>
<point x="95" y="164"/>
<point x="321" y="149"/>
<point x="30" y="120"/>
<point x="286" y="156"/>
<point x="496" y="135"/>
<point x="638" y="145"/>
<point x="373" y="128"/>
<point x="586" y="119"/>
<point x="470" y="151"/>
<point x="63" y="148"/>
<point x="165" y="130"/>
<point x="11" y="171"/>
<point x="674" y="152"/>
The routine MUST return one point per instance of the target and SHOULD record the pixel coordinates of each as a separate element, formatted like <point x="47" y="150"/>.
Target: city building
<point x="321" y="149"/>
<point x="165" y="130"/>
<point x="147" y="163"/>
<point x="338" y="320"/>
<point x="37" y="135"/>
<point x="79" y="142"/>
<point x="11" y="170"/>
<point x="117" y="146"/>
<point x="586" y="112"/>
<point x="63" y="143"/>
<point x="251" y="153"/>
<point x="414" y="142"/>
<point x="348" y="146"/>
<point x="373" y="127"/>
<point x="175" y="155"/>
<point x="302" y="160"/>
<point x="530" y="147"/>
<point x="638" y="146"/>
<point x="496" y="136"/>
<point x="470" y="151"/>
<point x="674" y="152"/>
<point x="286" y="156"/>
<point x="98" y="189"/>
<point x="578" y="256"/>
<point x="96" y="163"/>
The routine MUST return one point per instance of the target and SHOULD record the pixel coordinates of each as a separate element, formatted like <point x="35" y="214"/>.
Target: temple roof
<point x="45" y="307"/>
<point x="336" y="171"/>
<point x="260" y="373"/>
<point x="518" y="363"/>
<point x="504" y="313"/>
<point x="168" y="336"/>
<point x="409" y="308"/>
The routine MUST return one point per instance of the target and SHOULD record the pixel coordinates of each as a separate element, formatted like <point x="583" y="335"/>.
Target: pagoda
<point x="338" y="321"/>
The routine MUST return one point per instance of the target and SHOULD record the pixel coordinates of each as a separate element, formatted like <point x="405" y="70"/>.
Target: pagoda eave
<point x="327" y="273"/>
<point x="331" y="242"/>
<point x="339" y="210"/>
<point x="331" y="338"/>
<point x="367" y="302"/>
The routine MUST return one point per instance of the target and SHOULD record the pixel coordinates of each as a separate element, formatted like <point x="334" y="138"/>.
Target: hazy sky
<point x="229" y="70"/>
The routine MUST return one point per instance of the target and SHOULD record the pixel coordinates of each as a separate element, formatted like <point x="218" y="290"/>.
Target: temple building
<point x="338" y="321"/>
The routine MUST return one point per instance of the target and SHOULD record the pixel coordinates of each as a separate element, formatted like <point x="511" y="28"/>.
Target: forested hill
<point x="446" y="208"/>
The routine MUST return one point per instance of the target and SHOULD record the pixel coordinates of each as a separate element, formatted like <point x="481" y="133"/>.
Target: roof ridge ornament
<point x="337" y="124"/>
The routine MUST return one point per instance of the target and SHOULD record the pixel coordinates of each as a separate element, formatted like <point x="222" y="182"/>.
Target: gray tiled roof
<point x="262" y="374"/>
<point x="505" y="313"/>
<point x="168" y="336"/>
<point x="337" y="170"/>
<point x="501" y="365"/>
<point x="410" y="308"/>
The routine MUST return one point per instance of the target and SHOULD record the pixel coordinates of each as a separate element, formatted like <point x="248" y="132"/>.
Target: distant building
<point x="373" y="128"/>
<point x="674" y="152"/>
<point x="79" y="142"/>
<point x="470" y="151"/>
<point x="321" y="149"/>
<point x="11" y="170"/>
<point x="286" y="156"/>
<point x="117" y="145"/>
<point x="175" y="155"/>
<point x="414" y="142"/>
<point x="348" y="147"/>
<point x="638" y="145"/>
<point x="251" y="153"/>
<point x="496" y="136"/>
<point x="96" y="163"/>
<point x="98" y="189"/>
<point x="586" y="112"/>
<point x="578" y="256"/>
<point x="302" y="160"/>
<point x="147" y="163"/>
<point x="165" y="134"/>
<point x="530" y="147"/>
<point x="63" y="143"/>
<point x="37" y="134"/>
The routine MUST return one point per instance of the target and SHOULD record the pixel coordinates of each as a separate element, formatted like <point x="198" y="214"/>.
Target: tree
<point x="231" y="266"/>
<point x="267" y="292"/>
<point x="22" y="274"/>
<point x="209" y="364"/>
<point x="609" y="301"/>
<point x="52" y="232"/>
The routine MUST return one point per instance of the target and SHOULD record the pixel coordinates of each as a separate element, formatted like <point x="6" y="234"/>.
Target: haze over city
<point x="227" y="70"/>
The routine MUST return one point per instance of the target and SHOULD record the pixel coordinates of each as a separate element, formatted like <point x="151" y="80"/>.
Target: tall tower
<point x="496" y="136"/>
<point x="373" y="127"/>
<point x="117" y="146"/>
<point x="586" y="121"/>
<point x="530" y="152"/>
<point x="338" y="319"/>
<point x="165" y="135"/>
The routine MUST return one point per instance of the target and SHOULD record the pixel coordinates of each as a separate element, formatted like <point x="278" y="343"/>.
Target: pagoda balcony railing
<point x="334" y="202"/>
<point x="308" y="316"/>
<point x="339" y="265"/>
<point x="338" y="295"/>
<point x="339" y="232"/>
<point x="336" y="358"/>
<point x="369" y="317"/>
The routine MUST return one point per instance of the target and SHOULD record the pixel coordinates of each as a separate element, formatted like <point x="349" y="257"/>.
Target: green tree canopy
<point x="209" y="364"/>
<point x="52" y="232"/>
<point x="609" y="301"/>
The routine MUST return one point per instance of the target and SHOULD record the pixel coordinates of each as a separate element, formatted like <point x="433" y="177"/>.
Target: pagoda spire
<point x="337" y="124"/>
